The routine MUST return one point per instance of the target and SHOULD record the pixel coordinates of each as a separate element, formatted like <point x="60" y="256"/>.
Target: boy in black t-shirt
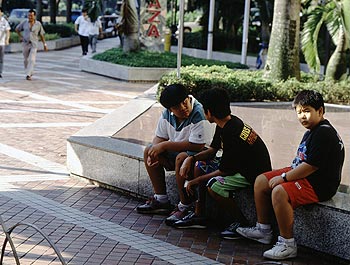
<point x="313" y="176"/>
<point x="244" y="156"/>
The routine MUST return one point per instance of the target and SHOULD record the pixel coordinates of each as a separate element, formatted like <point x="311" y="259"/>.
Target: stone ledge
<point x="93" y="154"/>
<point x="121" y="72"/>
<point x="58" y="44"/>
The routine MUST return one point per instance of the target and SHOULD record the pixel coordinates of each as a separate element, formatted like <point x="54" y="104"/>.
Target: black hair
<point x="32" y="11"/>
<point x="309" y="98"/>
<point x="1" y="9"/>
<point x="173" y="95"/>
<point x="217" y="101"/>
<point x="85" y="9"/>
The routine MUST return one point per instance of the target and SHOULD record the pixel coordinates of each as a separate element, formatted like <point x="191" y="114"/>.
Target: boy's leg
<point x="185" y="203"/>
<point x="262" y="232"/>
<point x="229" y="204"/>
<point x="283" y="211"/>
<point x="262" y="198"/>
<point x="197" y="218"/>
<point x="285" y="198"/>
<point x="159" y="202"/>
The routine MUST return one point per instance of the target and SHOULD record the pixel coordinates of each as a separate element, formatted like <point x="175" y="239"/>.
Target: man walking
<point x="31" y="29"/>
<point x="4" y="38"/>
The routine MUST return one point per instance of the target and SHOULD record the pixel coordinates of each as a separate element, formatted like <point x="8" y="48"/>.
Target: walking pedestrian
<point x="4" y="38"/>
<point x="94" y="31"/>
<point x="82" y="27"/>
<point x="31" y="29"/>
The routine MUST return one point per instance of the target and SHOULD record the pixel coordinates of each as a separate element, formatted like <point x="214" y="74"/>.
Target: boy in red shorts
<point x="313" y="176"/>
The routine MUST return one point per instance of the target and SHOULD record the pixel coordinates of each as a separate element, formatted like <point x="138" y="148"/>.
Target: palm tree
<point x="283" y="54"/>
<point x="94" y="9"/>
<point x="130" y="26"/>
<point x="336" y="16"/>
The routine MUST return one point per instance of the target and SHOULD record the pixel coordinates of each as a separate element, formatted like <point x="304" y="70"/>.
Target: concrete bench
<point x="119" y="165"/>
<point x="94" y="153"/>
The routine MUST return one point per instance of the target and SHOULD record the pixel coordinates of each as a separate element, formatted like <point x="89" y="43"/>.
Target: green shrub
<point x="15" y="39"/>
<point x="63" y="30"/>
<point x="248" y="86"/>
<point x="157" y="59"/>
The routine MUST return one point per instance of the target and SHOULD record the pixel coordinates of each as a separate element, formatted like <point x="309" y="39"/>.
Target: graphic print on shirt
<point x="301" y="155"/>
<point x="248" y="134"/>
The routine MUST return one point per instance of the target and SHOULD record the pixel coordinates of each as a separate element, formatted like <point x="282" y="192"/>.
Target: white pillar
<point x="210" y="30"/>
<point x="181" y="34"/>
<point x="245" y="32"/>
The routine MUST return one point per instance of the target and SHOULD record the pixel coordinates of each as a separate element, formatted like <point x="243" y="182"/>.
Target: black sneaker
<point x="152" y="206"/>
<point x="191" y="221"/>
<point x="230" y="232"/>
<point x="175" y="216"/>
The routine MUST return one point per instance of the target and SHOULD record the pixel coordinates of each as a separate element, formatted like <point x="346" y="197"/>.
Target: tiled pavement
<point x="90" y="225"/>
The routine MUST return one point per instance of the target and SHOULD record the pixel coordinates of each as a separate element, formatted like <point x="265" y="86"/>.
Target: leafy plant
<point x="157" y="59"/>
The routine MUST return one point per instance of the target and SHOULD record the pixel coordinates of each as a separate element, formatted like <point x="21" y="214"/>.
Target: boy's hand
<point x="186" y="167"/>
<point x="151" y="163"/>
<point x="275" y="181"/>
<point x="155" y="151"/>
<point x="189" y="187"/>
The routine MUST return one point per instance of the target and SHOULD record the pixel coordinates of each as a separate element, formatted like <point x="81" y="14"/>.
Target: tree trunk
<point x="130" y="26"/>
<point x="53" y="11"/>
<point x="69" y="11"/>
<point x="283" y="54"/>
<point x="39" y="10"/>
<point x="336" y="68"/>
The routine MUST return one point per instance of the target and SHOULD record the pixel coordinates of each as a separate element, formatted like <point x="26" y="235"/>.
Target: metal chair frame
<point x="14" y="251"/>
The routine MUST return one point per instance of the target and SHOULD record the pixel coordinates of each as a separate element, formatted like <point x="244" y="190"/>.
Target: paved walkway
<point x="90" y="225"/>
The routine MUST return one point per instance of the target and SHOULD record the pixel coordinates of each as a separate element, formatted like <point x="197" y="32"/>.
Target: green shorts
<point x="228" y="186"/>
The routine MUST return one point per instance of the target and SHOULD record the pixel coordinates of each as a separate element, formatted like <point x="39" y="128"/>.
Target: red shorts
<point x="300" y="191"/>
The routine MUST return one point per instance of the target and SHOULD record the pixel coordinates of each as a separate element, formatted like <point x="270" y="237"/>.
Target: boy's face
<point x="308" y="116"/>
<point x="183" y="109"/>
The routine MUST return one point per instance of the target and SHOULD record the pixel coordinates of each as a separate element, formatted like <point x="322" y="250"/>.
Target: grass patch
<point x="158" y="59"/>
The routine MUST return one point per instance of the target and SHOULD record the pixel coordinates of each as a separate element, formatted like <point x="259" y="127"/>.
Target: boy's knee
<point x="261" y="183"/>
<point x="279" y="195"/>
<point x="180" y="158"/>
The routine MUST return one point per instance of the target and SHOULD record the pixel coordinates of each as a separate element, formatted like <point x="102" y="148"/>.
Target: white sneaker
<point x="282" y="250"/>
<point x="255" y="233"/>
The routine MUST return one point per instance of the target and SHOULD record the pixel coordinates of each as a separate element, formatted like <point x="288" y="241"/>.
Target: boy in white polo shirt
<point x="182" y="130"/>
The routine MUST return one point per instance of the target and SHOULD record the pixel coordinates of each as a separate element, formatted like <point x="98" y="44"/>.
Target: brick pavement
<point x="89" y="224"/>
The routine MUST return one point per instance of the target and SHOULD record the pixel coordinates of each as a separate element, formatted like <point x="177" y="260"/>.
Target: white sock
<point x="182" y="207"/>
<point x="265" y="228"/>
<point x="161" y="198"/>
<point x="288" y="241"/>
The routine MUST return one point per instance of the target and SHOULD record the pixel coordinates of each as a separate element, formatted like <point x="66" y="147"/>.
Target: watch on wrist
<point x="284" y="176"/>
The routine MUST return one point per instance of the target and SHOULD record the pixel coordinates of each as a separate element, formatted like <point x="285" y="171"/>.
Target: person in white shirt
<point x="82" y="27"/>
<point x="95" y="30"/>
<point x="4" y="38"/>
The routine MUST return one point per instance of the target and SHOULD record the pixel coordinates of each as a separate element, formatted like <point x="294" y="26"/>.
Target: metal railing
<point x="14" y="251"/>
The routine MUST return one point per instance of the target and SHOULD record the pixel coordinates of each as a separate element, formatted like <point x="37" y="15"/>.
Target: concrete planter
<point x="122" y="72"/>
<point x="58" y="44"/>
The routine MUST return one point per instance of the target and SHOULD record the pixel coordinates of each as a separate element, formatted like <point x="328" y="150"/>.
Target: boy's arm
<point x="300" y="172"/>
<point x="203" y="178"/>
<point x="177" y="146"/>
<point x="189" y="161"/>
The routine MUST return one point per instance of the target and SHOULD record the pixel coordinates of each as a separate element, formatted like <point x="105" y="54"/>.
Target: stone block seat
<point x="110" y="153"/>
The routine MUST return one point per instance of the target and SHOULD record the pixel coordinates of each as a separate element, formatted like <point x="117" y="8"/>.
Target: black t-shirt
<point x="244" y="151"/>
<point x="322" y="147"/>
